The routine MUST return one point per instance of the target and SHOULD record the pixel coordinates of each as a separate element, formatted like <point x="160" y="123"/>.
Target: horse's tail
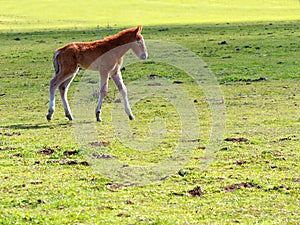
<point x="55" y="61"/>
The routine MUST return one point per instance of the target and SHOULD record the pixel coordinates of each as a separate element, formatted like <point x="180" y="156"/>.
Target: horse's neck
<point x="120" y="46"/>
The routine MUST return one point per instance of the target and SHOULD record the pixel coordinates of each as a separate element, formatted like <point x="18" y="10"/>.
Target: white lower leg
<point x="51" y="105"/>
<point x="123" y="92"/>
<point x="102" y="94"/>
<point x="99" y="106"/>
<point x="63" y="88"/>
<point x="66" y="107"/>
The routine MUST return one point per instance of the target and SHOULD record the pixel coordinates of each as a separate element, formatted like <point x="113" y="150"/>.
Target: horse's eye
<point x="138" y="38"/>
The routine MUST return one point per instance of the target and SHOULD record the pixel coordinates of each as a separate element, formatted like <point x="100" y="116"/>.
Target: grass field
<point x="46" y="14"/>
<point x="45" y="174"/>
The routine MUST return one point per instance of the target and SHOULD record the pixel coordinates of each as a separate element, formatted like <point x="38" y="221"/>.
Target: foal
<point x="105" y="56"/>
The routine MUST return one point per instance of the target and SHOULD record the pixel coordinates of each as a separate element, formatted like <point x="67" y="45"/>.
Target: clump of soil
<point x="129" y="202"/>
<point x="68" y="162"/>
<point x="46" y="151"/>
<point x="232" y="187"/>
<point x="237" y="140"/>
<point x="153" y="76"/>
<point x="7" y="148"/>
<point x="285" y="139"/>
<point x="71" y="152"/>
<point x="113" y="187"/>
<point x="123" y="215"/>
<point x="241" y="162"/>
<point x="178" y="82"/>
<point x="99" y="144"/>
<point x="197" y="191"/>
<point x="10" y="134"/>
<point x="104" y="156"/>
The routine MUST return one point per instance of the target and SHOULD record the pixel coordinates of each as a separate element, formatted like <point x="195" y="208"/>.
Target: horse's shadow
<point x="35" y="126"/>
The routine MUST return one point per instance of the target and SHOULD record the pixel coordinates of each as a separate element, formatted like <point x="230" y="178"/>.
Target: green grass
<point x="34" y="14"/>
<point x="255" y="181"/>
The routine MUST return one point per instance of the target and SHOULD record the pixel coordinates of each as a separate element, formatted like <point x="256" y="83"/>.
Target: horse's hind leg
<point x="63" y="82"/>
<point x="63" y="88"/>
<point x="53" y="85"/>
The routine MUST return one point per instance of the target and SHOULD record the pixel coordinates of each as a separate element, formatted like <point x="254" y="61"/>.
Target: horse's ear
<point x="139" y="29"/>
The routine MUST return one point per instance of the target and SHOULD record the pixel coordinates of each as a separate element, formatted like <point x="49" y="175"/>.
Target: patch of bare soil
<point x="10" y="134"/>
<point x="123" y="215"/>
<point x="237" y="140"/>
<point x="296" y="180"/>
<point x="46" y="151"/>
<point x="18" y="154"/>
<point x="177" y="82"/>
<point x="113" y="187"/>
<point x="259" y="79"/>
<point x="232" y="187"/>
<point x="104" y="156"/>
<point x="67" y="162"/>
<point x="71" y="152"/>
<point x="36" y="182"/>
<point x="285" y="139"/>
<point x="197" y="191"/>
<point x="129" y="202"/>
<point x="191" y="140"/>
<point x="241" y="162"/>
<point x="100" y="143"/>
<point x="103" y="207"/>
<point x="153" y="76"/>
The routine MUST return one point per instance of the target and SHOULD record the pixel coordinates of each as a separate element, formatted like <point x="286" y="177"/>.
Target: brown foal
<point x="105" y="56"/>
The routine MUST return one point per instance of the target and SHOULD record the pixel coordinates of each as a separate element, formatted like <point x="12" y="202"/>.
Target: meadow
<point x="47" y="174"/>
<point x="76" y="14"/>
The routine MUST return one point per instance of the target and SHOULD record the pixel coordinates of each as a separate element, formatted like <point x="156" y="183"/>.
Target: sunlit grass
<point x="252" y="182"/>
<point x="34" y="14"/>
<point x="256" y="65"/>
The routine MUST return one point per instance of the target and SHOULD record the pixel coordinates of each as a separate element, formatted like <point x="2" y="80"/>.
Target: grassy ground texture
<point x="47" y="178"/>
<point x="46" y="14"/>
<point x="253" y="179"/>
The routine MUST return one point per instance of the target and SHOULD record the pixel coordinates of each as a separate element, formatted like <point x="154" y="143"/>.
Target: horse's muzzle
<point x="143" y="56"/>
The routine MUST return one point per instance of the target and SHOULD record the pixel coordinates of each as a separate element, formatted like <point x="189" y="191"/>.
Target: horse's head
<point x="138" y="46"/>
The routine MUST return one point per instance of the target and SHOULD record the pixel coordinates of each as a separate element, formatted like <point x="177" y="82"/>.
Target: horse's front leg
<point x="102" y="93"/>
<point x="117" y="78"/>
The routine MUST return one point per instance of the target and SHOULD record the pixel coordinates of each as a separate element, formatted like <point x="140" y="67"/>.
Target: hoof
<point x="49" y="117"/>
<point x="69" y="117"/>
<point x="131" y="117"/>
<point x="98" y="117"/>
